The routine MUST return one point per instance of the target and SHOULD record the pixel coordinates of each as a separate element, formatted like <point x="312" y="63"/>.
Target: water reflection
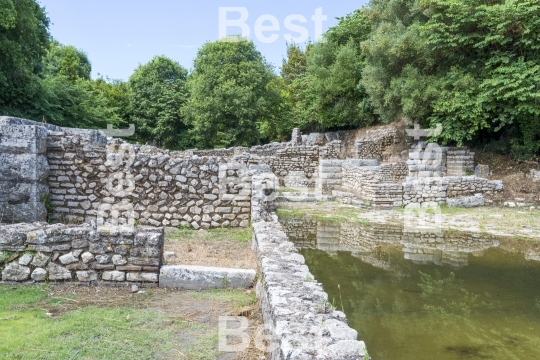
<point x="421" y="296"/>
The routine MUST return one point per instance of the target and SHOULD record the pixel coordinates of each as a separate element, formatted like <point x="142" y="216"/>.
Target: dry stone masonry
<point x="39" y="252"/>
<point x="23" y="171"/>
<point x="82" y="176"/>
<point x="294" y="305"/>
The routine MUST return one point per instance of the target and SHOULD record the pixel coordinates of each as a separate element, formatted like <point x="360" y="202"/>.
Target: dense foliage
<point x="157" y="96"/>
<point x="471" y="65"/>
<point x="228" y="94"/>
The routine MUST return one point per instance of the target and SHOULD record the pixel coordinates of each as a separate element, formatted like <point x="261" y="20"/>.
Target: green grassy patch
<point x="28" y="332"/>
<point x="242" y="235"/>
<point x="337" y="214"/>
<point x="239" y="298"/>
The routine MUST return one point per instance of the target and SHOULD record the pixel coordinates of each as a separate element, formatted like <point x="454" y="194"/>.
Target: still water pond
<point x="428" y="296"/>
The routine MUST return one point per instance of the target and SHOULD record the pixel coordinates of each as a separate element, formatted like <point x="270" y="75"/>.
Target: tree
<point x="295" y="65"/>
<point x="24" y="37"/>
<point x="157" y="95"/>
<point x="472" y="66"/>
<point x="67" y="61"/>
<point x="229" y="94"/>
<point x="328" y="94"/>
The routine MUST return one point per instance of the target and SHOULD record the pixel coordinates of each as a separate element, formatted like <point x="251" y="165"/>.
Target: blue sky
<point x="118" y="35"/>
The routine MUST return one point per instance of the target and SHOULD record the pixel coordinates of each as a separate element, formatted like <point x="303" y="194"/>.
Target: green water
<point x="485" y="306"/>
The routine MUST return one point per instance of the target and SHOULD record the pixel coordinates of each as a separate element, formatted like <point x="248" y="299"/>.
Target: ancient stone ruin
<point x="78" y="206"/>
<point x="76" y="177"/>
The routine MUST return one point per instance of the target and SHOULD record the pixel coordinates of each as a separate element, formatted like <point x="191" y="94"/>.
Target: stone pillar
<point x="23" y="171"/>
<point x="329" y="176"/>
<point x="426" y="161"/>
<point x="458" y="161"/>
<point x="296" y="138"/>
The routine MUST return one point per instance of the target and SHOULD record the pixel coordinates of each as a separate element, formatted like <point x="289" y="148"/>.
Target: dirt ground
<point x="197" y="308"/>
<point x="229" y="248"/>
<point x="517" y="186"/>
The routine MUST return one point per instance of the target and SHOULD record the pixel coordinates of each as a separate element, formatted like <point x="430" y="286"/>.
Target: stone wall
<point x="38" y="252"/>
<point x="459" y="162"/>
<point x="294" y="305"/>
<point x="298" y="158"/>
<point x="471" y="185"/>
<point x="428" y="190"/>
<point x="330" y="176"/>
<point x="375" y="183"/>
<point x="394" y="173"/>
<point x="84" y="177"/>
<point x="23" y="171"/>
<point x="373" y="144"/>
<point x="332" y="150"/>
<point x="110" y="181"/>
<point x="426" y="160"/>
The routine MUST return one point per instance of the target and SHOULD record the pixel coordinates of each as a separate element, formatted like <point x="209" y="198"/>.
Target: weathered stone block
<point x="199" y="277"/>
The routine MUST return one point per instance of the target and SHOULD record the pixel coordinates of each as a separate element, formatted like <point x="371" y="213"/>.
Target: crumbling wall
<point x="110" y="181"/>
<point x="295" y="165"/>
<point x="394" y="173"/>
<point x="304" y="329"/>
<point x="330" y="176"/>
<point x="23" y="171"/>
<point x="471" y="185"/>
<point x="374" y="143"/>
<point x="332" y="150"/>
<point x="459" y="161"/>
<point x="38" y="252"/>
<point x="426" y="160"/>
<point x="428" y="190"/>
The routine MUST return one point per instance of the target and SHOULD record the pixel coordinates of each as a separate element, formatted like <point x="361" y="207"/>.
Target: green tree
<point x="24" y="38"/>
<point x="491" y="72"/>
<point x="229" y="94"/>
<point x="328" y="95"/>
<point x="277" y="124"/>
<point x="295" y="65"/>
<point x="157" y="95"/>
<point x="67" y="61"/>
<point x="472" y="66"/>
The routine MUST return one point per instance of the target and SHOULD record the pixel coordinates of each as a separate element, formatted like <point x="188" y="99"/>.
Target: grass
<point x="293" y="190"/>
<point x="91" y="332"/>
<point x="239" y="298"/>
<point x="338" y="213"/>
<point x="242" y="235"/>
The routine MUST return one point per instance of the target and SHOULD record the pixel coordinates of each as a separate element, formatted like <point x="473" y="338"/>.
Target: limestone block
<point x="15" y="272"/>
<point x="199" y="277"/>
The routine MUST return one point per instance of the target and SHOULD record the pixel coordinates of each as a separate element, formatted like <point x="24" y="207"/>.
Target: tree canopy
<point x="472" y="66"/>
<point x="229" y="94"/>
<point x="157" y="95"/>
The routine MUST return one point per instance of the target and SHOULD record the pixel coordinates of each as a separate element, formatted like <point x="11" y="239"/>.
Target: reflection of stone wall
<point x="365" y="241"/>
